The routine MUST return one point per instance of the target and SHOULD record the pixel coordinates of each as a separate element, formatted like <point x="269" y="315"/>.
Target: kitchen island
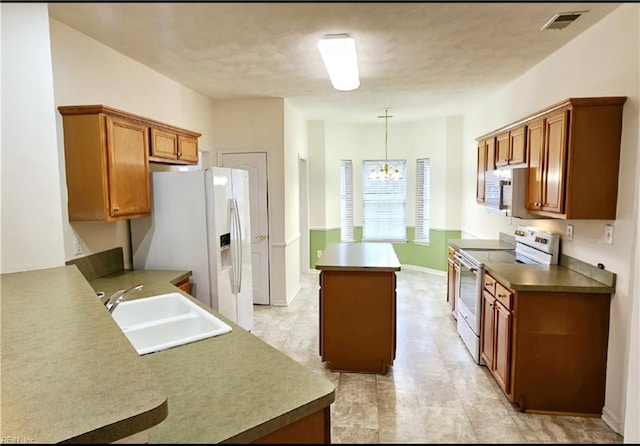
<point x="70" y="374"/>
<point x="358" y="306"/>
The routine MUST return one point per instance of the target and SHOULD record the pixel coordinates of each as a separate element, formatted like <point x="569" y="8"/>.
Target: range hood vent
<point x="562" y="19"/>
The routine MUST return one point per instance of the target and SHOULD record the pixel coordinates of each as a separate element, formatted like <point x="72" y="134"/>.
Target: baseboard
<point x="425" y="270"/>
<point x="612" y="421"/>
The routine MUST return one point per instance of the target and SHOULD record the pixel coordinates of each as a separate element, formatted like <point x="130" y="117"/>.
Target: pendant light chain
<point x="386" y="172"/>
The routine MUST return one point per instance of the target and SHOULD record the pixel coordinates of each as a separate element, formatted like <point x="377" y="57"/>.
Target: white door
<point x="256" y="164"/>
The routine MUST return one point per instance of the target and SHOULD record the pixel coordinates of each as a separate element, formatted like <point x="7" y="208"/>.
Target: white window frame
<point x="346" y="201"/>
<point x="378" y="197"/>
<point x="423" y="197"/>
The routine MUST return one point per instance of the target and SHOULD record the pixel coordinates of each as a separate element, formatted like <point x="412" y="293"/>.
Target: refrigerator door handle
<point x="238" y="246"/>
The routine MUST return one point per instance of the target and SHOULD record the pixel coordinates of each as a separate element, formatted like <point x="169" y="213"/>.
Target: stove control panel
<point x="532" y="241"/>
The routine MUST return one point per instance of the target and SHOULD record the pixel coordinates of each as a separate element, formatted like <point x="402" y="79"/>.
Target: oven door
<point x="469" y="294"/>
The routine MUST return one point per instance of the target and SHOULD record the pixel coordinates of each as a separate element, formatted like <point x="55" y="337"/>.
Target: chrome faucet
<point x="116" y="298"/>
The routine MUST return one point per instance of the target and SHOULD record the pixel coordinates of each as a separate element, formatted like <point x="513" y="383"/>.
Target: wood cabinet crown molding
<point x="99" y="108"/>
<point x="606" y="100"/>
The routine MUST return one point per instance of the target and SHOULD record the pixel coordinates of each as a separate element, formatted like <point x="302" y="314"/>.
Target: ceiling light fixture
<point x="338" y="53"/>
<point x="386" y="171"/>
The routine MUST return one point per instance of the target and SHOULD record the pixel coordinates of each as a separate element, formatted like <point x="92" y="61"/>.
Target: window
<point x="384" y="204"/>
<point x="346" y="201"/>
<point x="423" y="178"/>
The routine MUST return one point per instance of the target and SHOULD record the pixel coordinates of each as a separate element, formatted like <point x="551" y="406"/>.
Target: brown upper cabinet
<point x="511" y="147"/>
<point x="572" y="154"/>
<point x="107" y="154"/>
<point x="168" y="146"/>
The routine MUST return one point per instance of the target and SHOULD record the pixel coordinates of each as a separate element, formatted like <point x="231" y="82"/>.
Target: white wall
<point x="295" y="147"/>
<point x="632" y="408"/>
<point x="87" y="72"/>
<point x="437" y="138"/>
<point x="341" y="143"/>
<point x="257" y="125"/>
<point x="32" y="234"/>
<point x="453" y="185"/>
<point x="317" y="181"/>
<point x="603" y="61"/>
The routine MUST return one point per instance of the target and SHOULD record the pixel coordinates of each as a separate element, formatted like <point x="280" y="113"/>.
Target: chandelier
<point x="385" y="171"/>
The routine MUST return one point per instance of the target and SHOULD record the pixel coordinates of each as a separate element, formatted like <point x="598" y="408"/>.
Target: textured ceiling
<point x="419" y="59"/>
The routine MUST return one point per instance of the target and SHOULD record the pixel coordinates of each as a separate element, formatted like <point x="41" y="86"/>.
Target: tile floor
<point x="434" y="393"/>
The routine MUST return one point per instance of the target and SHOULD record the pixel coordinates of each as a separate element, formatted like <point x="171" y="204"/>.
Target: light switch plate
<point x="569" y="232"/>
<point x="608" y="234"/>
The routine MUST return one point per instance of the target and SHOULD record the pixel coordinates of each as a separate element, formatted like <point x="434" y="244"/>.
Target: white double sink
<point x="160" y="322"/>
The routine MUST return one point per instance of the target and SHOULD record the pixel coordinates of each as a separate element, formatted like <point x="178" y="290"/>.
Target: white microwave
<point x="497" y="196"/>
<point x="506" y="192"/>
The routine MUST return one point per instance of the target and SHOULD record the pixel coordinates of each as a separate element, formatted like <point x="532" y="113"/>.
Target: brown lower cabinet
<point x="547" y="350"/>
<point x="358" y="320"/>
<point x="314" y="428"/>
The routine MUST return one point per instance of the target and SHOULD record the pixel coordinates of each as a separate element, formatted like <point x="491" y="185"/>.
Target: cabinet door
<point x="188" y="149"/>
<point x="164" y="144"/>
<point x="554" y="171"/>
<point x="501" y="365"/>
<point x="517" y="140"/>
<point x="535" y="147"/>
<point x="502" y="149"/>
<point x="480" y="173"/>
<point x="128" y="168"/>
<point x="451" y="284"/>
<point x="488" y="328"/>
<point x="490" y="145"/>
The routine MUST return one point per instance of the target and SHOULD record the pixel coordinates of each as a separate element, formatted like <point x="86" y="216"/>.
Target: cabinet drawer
<point x="503" y="295"/>
<point x="489" y="284"/>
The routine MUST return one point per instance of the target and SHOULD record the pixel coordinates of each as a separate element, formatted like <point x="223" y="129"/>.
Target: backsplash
<point x="99" y="264"/>
<point x="586" y="269"/>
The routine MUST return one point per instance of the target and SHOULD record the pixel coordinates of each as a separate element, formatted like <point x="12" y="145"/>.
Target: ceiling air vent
<point x="562" y="19"/>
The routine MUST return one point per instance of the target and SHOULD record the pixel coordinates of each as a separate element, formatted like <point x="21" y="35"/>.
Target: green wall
<point x="431" y="256"/>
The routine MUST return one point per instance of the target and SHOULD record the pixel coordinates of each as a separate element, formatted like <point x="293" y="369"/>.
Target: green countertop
<point x="358" y="257"/>
<point x="558" y="278"/>
<point x="70" y="374"/>
<point x="581" y="277"/>
<point x="67" y="371"/>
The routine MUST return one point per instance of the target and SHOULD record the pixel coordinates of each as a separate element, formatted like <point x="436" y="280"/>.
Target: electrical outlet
<point x="569" y="232"/>
<point x="319" y="253"/>
<point x="77" y="246"/>
<point x="608" y="234"/>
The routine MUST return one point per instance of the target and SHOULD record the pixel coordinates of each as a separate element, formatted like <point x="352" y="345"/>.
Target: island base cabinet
<point x="312" y="429"/>
<point x="560" y="352"/>
<point x="358" y="320"/>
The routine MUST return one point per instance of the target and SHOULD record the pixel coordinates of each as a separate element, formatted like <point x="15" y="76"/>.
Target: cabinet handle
<point x="179" y="153"/>
<point x="116" y="209"/>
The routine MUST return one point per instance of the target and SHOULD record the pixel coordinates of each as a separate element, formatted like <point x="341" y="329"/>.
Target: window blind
<point x="346" y="201"/>
<point x="423" y="179"/>
<point x="384" y="204"/>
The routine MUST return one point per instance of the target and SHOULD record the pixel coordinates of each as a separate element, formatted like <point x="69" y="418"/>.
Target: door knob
<point x="261" y="237"/>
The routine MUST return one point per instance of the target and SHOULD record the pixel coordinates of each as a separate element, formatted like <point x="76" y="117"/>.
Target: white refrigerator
<point x="200" y="222"/>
